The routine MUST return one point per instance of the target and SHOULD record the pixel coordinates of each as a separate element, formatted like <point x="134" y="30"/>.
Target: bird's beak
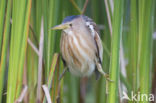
<point x="60" y="27"/>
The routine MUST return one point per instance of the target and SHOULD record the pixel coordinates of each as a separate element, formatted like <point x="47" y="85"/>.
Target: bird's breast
<point x="78" y="53"/>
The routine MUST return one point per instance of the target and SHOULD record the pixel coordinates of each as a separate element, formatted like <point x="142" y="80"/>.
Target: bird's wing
<point x="100" y="53"/>
<point x="99" y="46"/>
<point x="95" y="34"/>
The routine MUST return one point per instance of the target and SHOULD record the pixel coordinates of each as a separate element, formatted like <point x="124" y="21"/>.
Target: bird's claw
<point x="107" y="78"/>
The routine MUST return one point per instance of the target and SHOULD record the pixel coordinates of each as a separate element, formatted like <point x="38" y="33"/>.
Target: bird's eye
<point x="70" y="25"/>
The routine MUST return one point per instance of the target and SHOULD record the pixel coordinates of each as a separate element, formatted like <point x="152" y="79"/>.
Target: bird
<point x="81" y="46"/>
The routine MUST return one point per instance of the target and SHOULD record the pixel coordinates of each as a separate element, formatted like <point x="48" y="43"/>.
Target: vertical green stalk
<point x="106" y="38"/>
<point x="58" y="20"/>
<point x="61" y="84"/>
<point x="20" y="27"/>
<point x="145" y="46"/>
<point x="4" y="48"/>
<point x="24" y="45"/>
<point x="114" y="66"/>
<point x="133" y="43"/>
<point x="46" y="29"/>
<point x="95" y="10"/>
<point x="38" y="15"/>
<point x="50" y="37"/>
<point x="2" y="16"/>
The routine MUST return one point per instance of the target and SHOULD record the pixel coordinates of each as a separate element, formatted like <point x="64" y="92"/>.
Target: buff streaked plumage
<point x="81" y="46"/>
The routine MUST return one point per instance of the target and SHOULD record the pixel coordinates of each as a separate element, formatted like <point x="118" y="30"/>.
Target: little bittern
<point x="81" y="46"/>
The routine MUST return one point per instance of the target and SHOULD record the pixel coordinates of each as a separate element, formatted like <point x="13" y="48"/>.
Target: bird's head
<point x="78" y="24"/>
<point x="68" y="23"/>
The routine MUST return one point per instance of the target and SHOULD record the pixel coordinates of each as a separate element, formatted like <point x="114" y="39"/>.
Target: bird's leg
<point x="64" y="71"/>
<point x="99" y="67"/>
<point x="59" y="85"/>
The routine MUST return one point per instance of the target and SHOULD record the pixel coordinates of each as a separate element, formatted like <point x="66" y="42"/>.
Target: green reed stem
<point x="20" y="27"/>
<point x="4" y="48"/>
<point x="2" y="17"/>
<point x="114" y="66"/>
<point x="145" y="46"/>
<point x="133" y="43"/>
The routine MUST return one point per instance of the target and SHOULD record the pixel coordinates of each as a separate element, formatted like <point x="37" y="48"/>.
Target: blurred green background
<point x="29" y="51"/>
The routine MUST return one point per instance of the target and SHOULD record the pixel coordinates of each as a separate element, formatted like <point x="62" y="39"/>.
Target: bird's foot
<point x="99" y="67"/>
<point x="107" y="78"/>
